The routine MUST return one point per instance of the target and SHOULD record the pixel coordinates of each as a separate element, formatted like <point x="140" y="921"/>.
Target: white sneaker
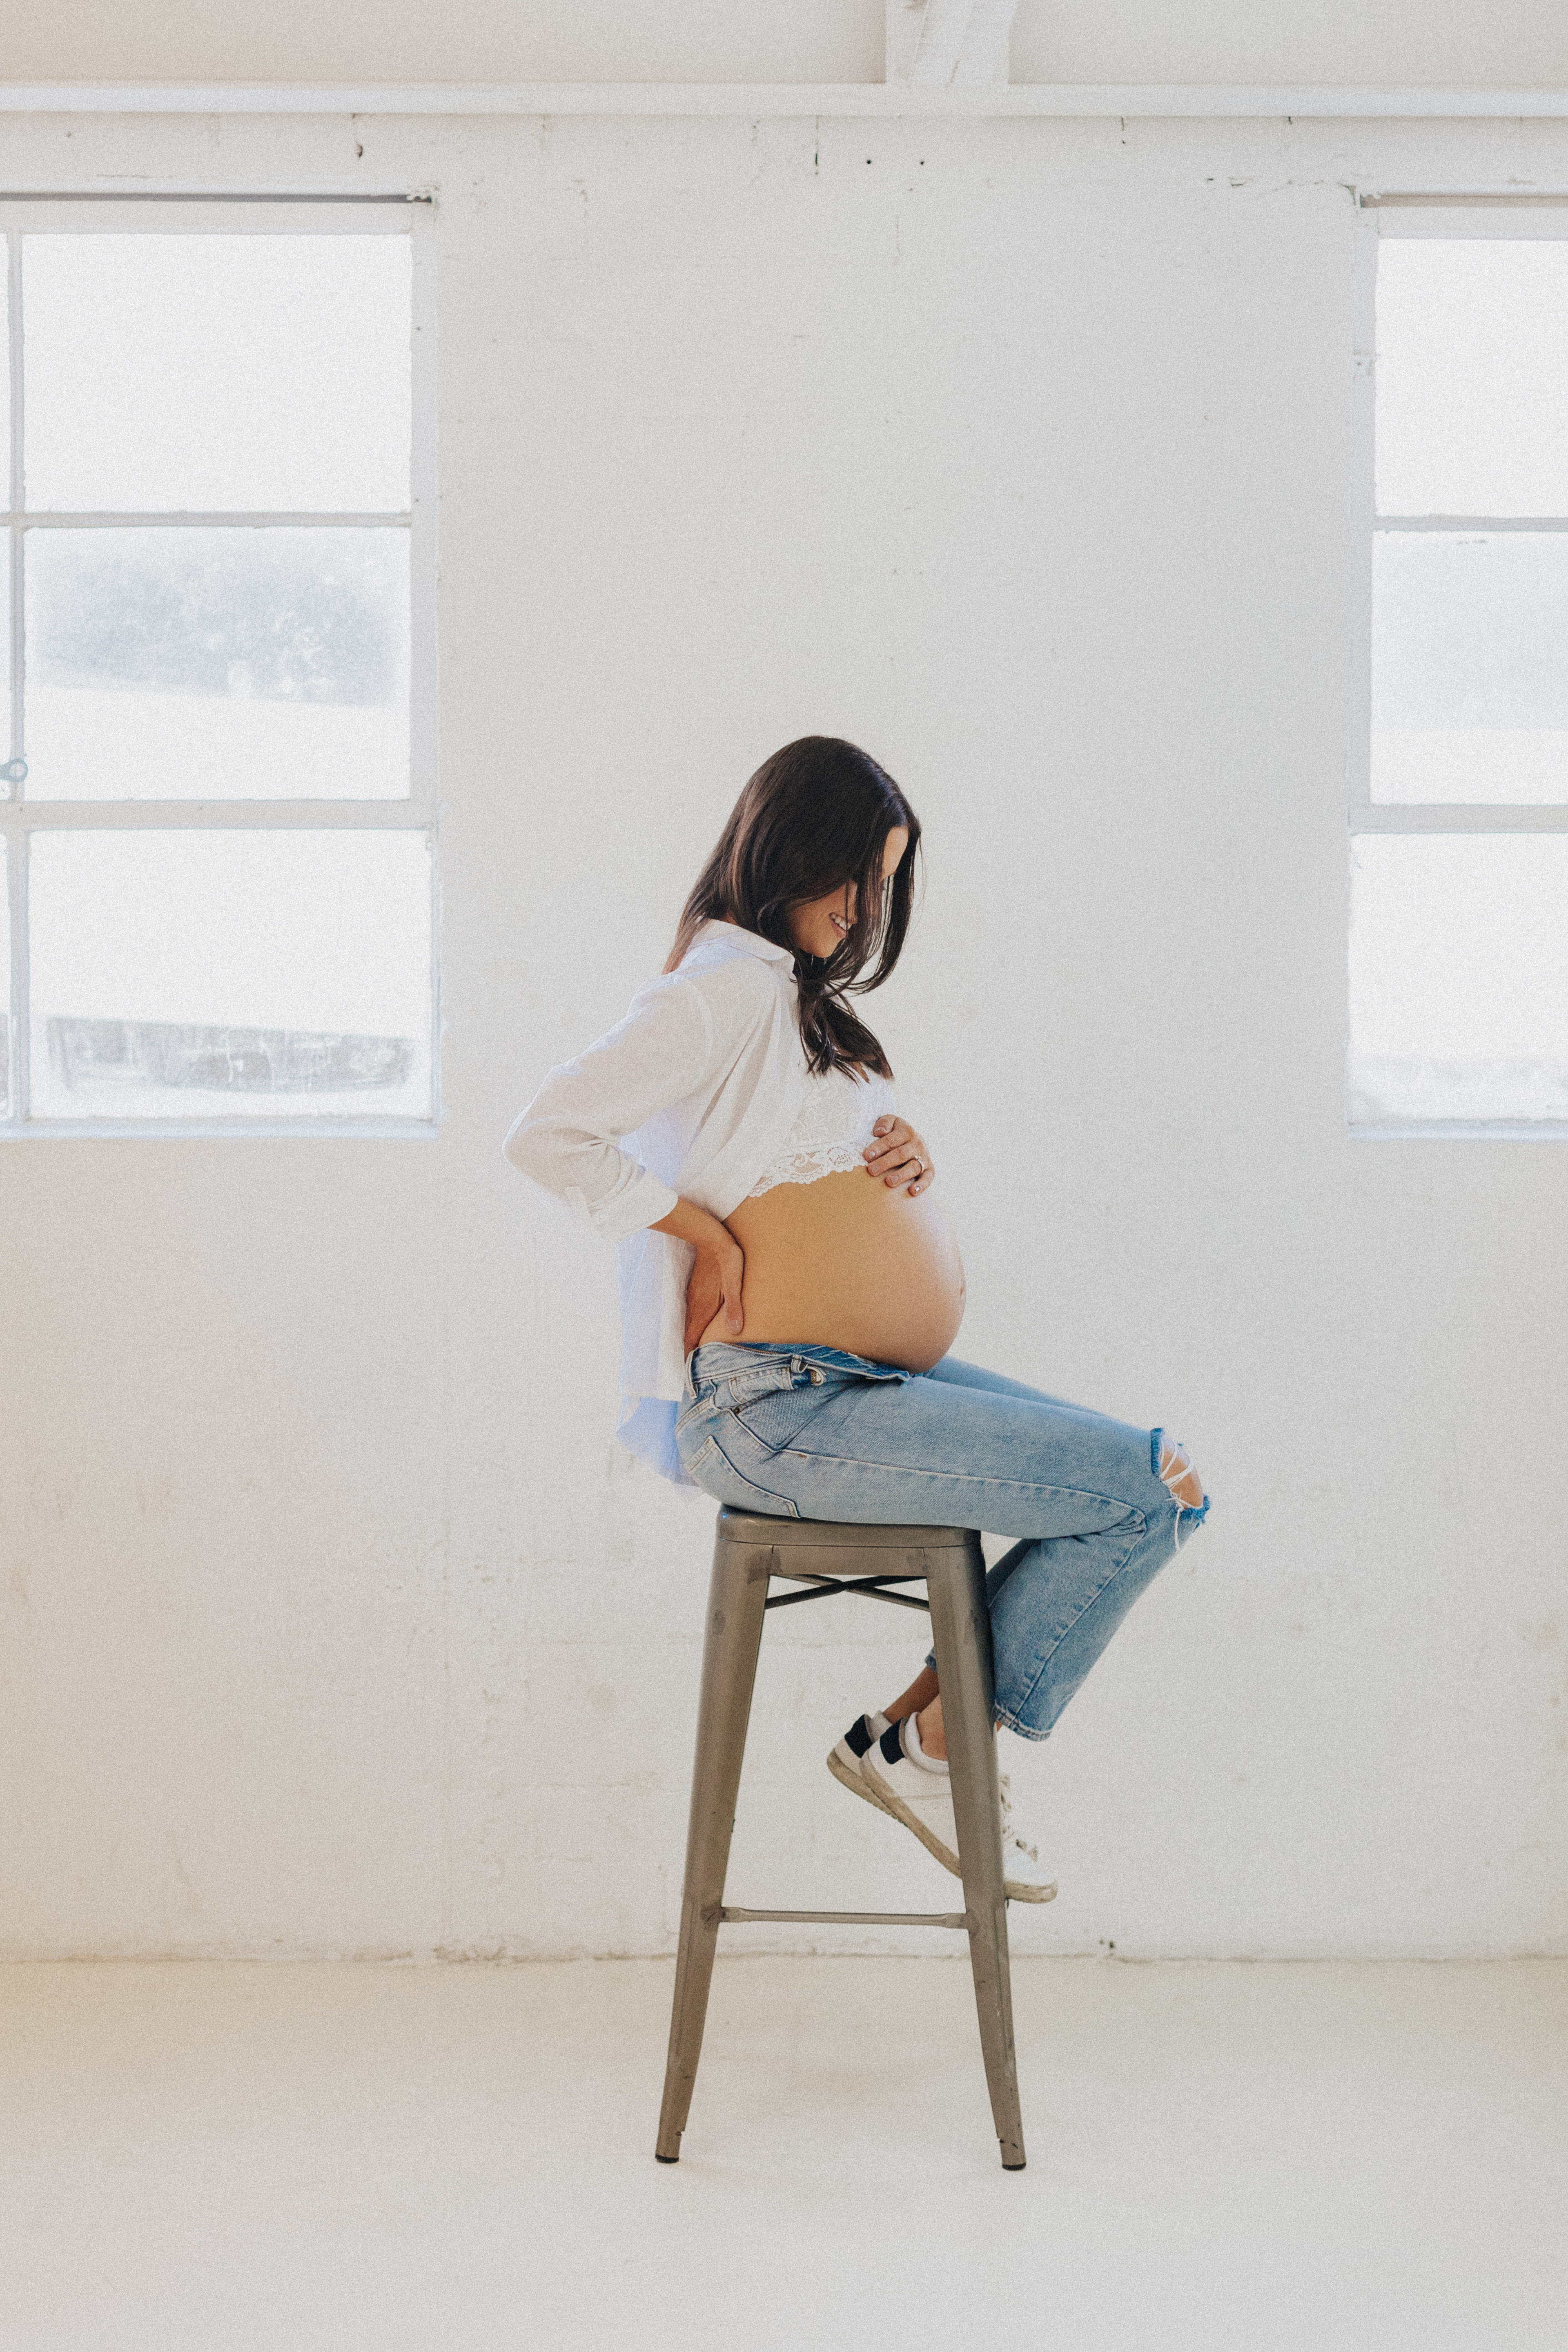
<point x="844" y="1756"/>
<point x="1023" y="1872"/>
<point x="923" y="1801"/>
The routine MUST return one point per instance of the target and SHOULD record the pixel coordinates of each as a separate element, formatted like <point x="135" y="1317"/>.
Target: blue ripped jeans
<point x="813" y="1433"/>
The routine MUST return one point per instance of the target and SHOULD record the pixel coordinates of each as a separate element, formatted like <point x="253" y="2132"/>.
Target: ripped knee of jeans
<point x="1173" y="1464"/>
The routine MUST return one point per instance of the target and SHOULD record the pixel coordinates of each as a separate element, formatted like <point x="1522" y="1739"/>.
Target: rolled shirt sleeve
<point x="567" y="1138"/>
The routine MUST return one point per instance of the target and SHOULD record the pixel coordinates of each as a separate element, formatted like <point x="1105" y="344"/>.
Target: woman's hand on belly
<point x="717" y="1274"/>
<point x="899" y="1156"/>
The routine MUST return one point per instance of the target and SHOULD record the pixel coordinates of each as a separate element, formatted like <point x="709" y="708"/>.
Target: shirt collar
<point x="752" y="942"/>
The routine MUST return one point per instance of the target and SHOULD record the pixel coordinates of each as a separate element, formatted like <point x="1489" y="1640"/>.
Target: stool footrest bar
<point x="858" y="1918"/>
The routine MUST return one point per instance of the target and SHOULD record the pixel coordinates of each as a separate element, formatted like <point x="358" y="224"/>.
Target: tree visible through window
<point x="218" y="807"/>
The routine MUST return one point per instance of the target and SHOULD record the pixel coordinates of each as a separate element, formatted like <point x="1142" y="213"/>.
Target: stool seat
<point x="828" y="1557"/>
<point x="841" y="1534"/>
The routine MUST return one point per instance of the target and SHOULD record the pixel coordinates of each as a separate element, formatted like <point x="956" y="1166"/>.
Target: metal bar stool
<point x="751" y="1549"/>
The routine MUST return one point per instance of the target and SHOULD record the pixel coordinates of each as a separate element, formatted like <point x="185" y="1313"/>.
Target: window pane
<point x="7" y="787"/>
<point x="1469" y="667"/>
<point x="5" y="371"/>
<point x="235" y="974"/>
<point x="193" y="373"/>
<point x="171" y="664"/>
<point x="1458" y="976"/>
<point x="7" y="1058"/>
<point x="1472" y="376"/>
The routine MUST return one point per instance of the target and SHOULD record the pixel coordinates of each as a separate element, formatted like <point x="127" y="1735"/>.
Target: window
<point x="217" y="817"/>
<point x="1459" y="768"/>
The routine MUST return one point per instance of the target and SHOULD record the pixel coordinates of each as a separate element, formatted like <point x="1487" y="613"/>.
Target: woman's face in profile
<point x="818" y="925"/>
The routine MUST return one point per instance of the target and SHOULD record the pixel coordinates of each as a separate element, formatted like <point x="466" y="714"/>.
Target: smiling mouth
<point x="842" y="927"/>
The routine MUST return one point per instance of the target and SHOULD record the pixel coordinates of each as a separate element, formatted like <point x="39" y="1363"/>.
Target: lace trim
<point x="805" y="1167"/>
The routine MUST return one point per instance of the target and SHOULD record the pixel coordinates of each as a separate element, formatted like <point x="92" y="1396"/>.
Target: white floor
<point x="1279" y="2157"/>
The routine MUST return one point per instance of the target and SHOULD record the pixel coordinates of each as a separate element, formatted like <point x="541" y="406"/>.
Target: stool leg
<point x="962" y="1626"/>
<point x="737" y="1597"/>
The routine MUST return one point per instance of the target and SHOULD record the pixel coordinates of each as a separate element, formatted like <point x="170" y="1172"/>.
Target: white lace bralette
<point x="833" y="1123"/>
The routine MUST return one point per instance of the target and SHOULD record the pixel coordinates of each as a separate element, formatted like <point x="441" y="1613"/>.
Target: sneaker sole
<point x="911" y="1821"/>
<point x="853" y="1779"/>
<point x="1015" y="1889"/>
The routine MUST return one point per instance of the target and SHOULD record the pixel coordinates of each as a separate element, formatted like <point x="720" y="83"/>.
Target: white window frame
<point x="1379" y="217"/>
<point x="412" y="215"/>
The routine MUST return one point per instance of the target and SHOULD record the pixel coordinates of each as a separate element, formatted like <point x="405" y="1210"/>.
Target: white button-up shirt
<point x="691" y="1095"/>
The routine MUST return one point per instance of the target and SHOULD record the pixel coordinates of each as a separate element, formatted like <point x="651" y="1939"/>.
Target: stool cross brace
<point x="823" y="1588"/>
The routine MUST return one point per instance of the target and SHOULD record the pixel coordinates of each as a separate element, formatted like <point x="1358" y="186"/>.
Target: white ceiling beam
<point x="943" y="44"/>
<point x="983" y="60"/>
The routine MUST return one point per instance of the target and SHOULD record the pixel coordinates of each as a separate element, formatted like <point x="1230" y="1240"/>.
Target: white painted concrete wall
<point x="335" y="1624"/>
<point x="1513" y="42"/>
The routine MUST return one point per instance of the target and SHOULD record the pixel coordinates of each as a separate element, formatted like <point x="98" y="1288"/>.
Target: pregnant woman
<point x="789" y="1289"/>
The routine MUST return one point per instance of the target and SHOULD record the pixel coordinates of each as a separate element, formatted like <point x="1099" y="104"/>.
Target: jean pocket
<point x="775" y="1421"/>
<point x="712" y="1469"/>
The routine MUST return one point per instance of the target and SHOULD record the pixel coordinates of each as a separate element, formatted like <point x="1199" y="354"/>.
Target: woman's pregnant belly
<point x="849" y="1262"/>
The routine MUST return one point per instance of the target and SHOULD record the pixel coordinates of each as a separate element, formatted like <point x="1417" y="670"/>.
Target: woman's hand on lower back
<point x="898" y="1155"/>
<point x="715" y="1282"/>
<point x="718" y="1274"/>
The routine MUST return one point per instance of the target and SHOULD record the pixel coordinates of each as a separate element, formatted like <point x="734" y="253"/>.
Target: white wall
<point x="335" y="1624"/>
<point x="1511" y="42"/>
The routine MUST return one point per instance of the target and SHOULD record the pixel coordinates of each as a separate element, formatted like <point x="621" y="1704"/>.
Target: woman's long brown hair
<point x="814" y="816"/>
